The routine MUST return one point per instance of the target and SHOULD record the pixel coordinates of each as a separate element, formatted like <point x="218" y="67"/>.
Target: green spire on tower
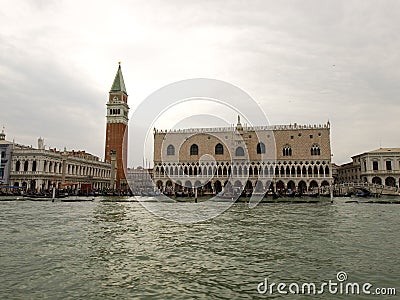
<point x="118" y="84"/>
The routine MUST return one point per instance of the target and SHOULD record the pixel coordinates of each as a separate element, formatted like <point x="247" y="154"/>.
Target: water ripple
<point x="106" y="250"/>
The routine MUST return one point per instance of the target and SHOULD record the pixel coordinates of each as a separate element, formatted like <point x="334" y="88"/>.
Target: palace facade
<point x="380" y="166"/>
<point x="40" y="169"/>
<point x="258" y="159"/>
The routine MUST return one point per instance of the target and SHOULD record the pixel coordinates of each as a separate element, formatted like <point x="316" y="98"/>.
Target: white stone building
<point x="5" y="155"/>
<point x="380" y="166"/>
<point x="41" y="169"/>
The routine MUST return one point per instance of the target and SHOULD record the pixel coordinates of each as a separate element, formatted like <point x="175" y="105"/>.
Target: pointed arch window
<point x="315" y="149"/>
<point x="170" y="150"/>
<point x="287" y="150"/>
<point x="239" y="151"/>
<point x="219" y="149"/>
<point x="194" y="150"/>
<point x="260" y="148"/>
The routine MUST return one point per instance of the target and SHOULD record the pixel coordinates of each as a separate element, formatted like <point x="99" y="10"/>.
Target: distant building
<point x="380" y="166"/>
<point x="349" y="172"/>
<point x="117" y="128"/>
<point x="41" y="169"/>
<point x="254" y="158"/>
<point x="5" y="155"/>
<point x="140" y="180"/>
<point x="335" y="172"/>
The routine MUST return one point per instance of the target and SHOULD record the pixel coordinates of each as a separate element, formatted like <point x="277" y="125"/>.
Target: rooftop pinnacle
<point x="118" y="84"/>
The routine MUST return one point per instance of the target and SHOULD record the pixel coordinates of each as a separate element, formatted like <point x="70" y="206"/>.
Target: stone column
<point x="64" y="157"/>
<point x="113" y="156"/>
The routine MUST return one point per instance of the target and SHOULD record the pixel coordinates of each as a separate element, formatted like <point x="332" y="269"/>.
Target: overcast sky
<point x="302" y="61"/>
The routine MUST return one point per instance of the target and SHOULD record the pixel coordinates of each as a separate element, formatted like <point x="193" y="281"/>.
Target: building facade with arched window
<point x="5" y="156"/>
<point x="257" y="158"/>
<point x="39" y="169"/>
<point x="380" y="166"/>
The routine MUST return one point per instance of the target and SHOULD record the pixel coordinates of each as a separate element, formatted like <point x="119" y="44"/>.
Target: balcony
<point x="380" y="172"/>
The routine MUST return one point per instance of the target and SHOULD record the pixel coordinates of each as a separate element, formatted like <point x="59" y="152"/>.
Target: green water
<point x="106" y="250"/>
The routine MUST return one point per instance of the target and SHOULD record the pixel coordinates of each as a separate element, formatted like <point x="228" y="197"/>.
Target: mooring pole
<point x="54" y="193"/>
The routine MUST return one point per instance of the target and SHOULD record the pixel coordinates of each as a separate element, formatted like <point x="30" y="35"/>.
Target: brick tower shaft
<point x="117" y="128"/>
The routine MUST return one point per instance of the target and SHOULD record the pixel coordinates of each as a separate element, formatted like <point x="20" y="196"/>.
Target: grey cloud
<point x="303" y="61"/>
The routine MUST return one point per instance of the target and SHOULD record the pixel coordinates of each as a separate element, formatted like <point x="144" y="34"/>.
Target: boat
<point x="77" y="199"/>
<point x="363" y="194"/>
<point x="226" y="196"/>
<point x="313" y="195"/>
<point x="181" y="194"/>
<point x="290" y="193"/>
<point x="153" y="194"/>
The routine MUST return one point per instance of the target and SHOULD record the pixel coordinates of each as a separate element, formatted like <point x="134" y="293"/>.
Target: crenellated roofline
<point x="246" y="128"/>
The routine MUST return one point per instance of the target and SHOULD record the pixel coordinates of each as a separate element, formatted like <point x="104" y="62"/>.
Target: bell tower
<point x="117" y="128"/>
